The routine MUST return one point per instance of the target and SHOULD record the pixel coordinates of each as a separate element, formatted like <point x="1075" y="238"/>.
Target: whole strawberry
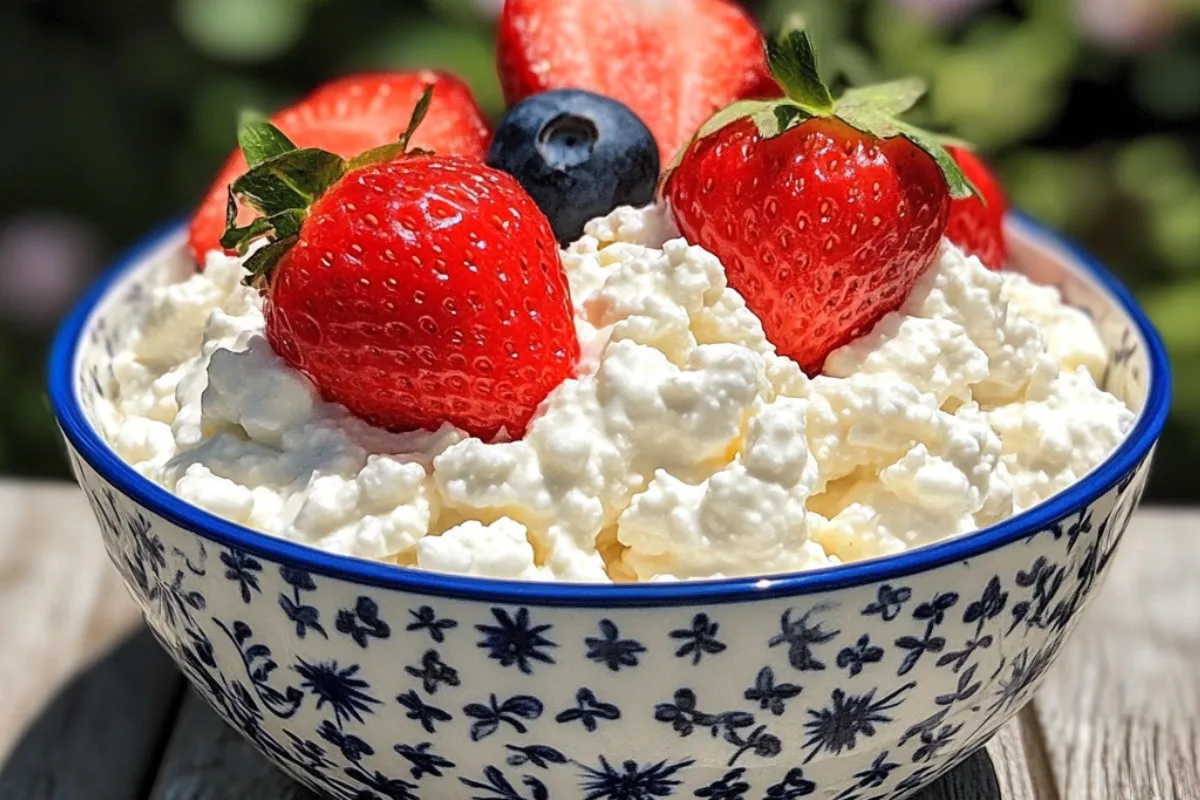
<point x="352" y="114"/>
<point x="977" y="223"/>
<point x="825" y="213"/>
<point x="413" y="289"/>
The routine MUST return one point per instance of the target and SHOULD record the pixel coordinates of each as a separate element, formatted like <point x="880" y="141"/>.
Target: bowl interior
<point x="1042" y="257"/>
<point x="1047" y="260"/>
<point x="82" y="383"/>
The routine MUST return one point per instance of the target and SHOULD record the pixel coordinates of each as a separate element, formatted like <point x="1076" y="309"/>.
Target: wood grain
<point x="1120" y="711"/>
<point x="208" y="760"/>
<point x="61" y="602"/>
<point x="1019" y="763"/>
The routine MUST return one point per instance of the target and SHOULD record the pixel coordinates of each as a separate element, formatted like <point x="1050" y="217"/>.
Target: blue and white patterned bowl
<point x="369" y="681"/>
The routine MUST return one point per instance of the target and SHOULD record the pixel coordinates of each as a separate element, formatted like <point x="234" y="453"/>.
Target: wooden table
<point x="90" y="708"/>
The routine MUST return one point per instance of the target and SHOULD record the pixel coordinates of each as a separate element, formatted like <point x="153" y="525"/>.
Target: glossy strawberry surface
<point x="822" y="229"/>
<point x="350" y="115"/>
<point x="426" y="290"/>
<point x="673" y="62"/>
<point x="977" y="225"/>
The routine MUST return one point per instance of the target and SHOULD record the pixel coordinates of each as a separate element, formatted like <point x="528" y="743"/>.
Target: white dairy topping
<point x="499" y="550"/>
<point x="686" y="448"/>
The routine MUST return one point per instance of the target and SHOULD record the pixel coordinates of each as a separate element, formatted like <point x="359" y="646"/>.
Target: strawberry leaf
<point x="263" y="262"/>
<point x="377" y="155"/>
<point x="282" y="226"/>
<point x="959" y="184"/>
<point x="288" y="223"/>
<point x="787" y="116"/>
<point x="259" y="140"/>
<point x="793" y="62"/>
<point x="289" y="181"/>
<point x="267" y="192"/>
<point x="888" y="99"/>
<point x="871" y="120"/>
<point x="239" y="239"/>
<point x="875" y="109"/>
<point x="231" y="208"/>
<point x="770" y="117"/>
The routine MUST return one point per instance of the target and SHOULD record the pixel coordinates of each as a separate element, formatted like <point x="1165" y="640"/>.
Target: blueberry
<point x="579" y="155"/>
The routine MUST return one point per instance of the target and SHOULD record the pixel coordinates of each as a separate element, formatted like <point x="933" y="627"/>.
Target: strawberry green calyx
<point x="284" y="181"/>
<point x="793" y="62"/>
<point x="874" y="110"/>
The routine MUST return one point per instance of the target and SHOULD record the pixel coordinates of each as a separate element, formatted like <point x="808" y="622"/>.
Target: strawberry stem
<point x="418" y="116"/>
<point x="793" y="62"/>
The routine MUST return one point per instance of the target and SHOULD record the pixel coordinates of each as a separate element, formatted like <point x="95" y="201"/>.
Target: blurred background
<point x="116" y="114"/>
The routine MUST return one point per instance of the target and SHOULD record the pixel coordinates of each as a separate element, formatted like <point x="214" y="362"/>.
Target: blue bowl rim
<point x="95" y="451"/>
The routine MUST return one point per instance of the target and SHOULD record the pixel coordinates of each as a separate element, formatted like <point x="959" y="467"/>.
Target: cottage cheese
<point x="686" y="448"/>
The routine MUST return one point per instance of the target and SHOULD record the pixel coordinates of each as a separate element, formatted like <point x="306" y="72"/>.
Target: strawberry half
<point x="349" y="116"/>
<point x="673" y="62"/>
<point x="414" y="289"/>
<point x="824" y="212"/>
<point x="977" y="223"/>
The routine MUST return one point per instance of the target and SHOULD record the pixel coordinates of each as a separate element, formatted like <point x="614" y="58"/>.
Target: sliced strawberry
<point x="674" y="62"/>
<point x="977" y="225"/>
<point x="349" y="116"/>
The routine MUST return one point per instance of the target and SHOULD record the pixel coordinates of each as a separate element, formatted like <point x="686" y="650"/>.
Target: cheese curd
<point x="686" y="448"/>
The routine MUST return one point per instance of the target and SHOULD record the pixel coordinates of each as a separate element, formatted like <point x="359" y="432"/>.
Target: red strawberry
<point x="977" y="225"/>
<point x="824" y="213"/>
<point x="353" y="114"/>
<point x="674" y="62"/>
<point x="413" y="289"/>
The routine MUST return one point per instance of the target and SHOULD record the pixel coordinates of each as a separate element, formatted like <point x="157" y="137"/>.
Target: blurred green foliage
<point x="118" y="112"/>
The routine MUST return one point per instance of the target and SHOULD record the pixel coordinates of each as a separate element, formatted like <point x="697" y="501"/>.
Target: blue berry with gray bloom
<point x="579" y="155"/>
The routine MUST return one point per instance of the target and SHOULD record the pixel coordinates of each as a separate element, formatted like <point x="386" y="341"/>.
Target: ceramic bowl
<point x="365" y="680"/>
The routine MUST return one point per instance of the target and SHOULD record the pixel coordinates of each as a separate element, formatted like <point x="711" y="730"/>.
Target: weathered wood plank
<point x="61" y="603"/>
<point x="208" y="760"/>
<point x="1020" y="768"/>
<point x="100" y="737"/>
<point x="1121" y="709"/>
